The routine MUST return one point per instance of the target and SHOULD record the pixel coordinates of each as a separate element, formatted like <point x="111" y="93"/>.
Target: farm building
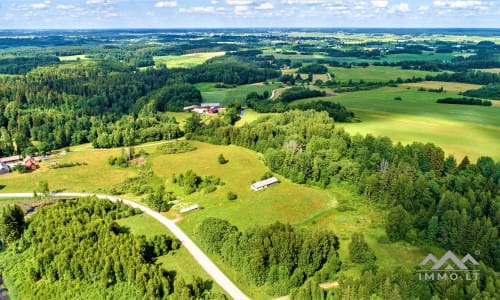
<point x="264" y="183"/>
<point x="189" y="208"/>
<point x="190" y="108"/>
<point x="11" y="160"/>
<point x="30" y="163"/>
<point x="4" y="169"/>
<point x="211" y="105"/>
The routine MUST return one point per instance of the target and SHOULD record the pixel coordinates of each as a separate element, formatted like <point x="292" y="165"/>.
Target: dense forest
<point x="433" y="199"/>
<point x="77" y="242"/>
<point x="279" y="256"/>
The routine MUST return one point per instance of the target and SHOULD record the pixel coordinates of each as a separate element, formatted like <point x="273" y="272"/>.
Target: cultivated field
<point x="458" y="129"/>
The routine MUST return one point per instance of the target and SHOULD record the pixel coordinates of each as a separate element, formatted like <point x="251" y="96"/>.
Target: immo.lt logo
<point x="448" y="267"/>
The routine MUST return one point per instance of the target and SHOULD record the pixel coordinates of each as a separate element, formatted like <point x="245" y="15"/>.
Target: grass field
<point x="73" y="57"/>
<point x="375" y="73"/>
<point x="95" y="175"/>
<point x="225" y="96"/>
<point x="186" y="60"/>
<point x="459" y="129"/>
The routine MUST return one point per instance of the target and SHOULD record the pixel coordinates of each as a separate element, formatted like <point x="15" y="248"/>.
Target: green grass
<point x="186" y="60"/>
<point x="229" y="95"/>
<point x="425" y="56"/>
<point x="97" y="174"/>
<point x="458" y="129"/>
<point x="372" y="73"/>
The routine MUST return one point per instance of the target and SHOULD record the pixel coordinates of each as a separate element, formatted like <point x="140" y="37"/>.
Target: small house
<point x="29" y="162"/>
<point x="264" y="183"/>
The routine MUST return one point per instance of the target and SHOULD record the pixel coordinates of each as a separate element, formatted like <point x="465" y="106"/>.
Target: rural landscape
<point x="333" y="163"/>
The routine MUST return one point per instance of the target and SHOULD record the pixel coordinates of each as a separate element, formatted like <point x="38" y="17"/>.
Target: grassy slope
<point x="458" y="129"/>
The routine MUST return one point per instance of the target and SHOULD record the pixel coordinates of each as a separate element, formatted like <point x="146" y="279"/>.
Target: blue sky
<point x="55" y="14"/>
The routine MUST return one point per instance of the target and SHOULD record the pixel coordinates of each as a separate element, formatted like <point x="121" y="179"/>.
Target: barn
<point x="264" y="183"/>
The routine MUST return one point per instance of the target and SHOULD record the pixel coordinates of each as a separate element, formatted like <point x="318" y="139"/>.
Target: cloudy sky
<point x="41" y="14"/>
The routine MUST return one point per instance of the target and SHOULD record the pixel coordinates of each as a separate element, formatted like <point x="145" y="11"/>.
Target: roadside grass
<point x="374" y="73"/>
<point x="186" y="60"/>
<point x="458" y="129"/>
<point x="229" y="95"/>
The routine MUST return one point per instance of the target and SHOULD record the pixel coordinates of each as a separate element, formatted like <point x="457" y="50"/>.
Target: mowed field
<point x="186" y="60"/>
<point x="229" y="95"/>
<point x="459" y="129"/>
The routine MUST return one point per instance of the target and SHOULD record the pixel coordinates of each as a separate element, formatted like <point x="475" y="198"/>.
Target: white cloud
<point x="379" y="3"/>
<point x="43" y="5"/>
<point x="239" y="2"/>
<point x="401" y="8"/>
<point x="304" y="1"/>
<point x="423" y="8"/>
<point x="65" y="7"/>
<point x="98" y="2"/>
<point x="457" y="4"/>
<point x="163" y="4"/>
<point x="198" y="9"/>
<point x="265" y="5"/>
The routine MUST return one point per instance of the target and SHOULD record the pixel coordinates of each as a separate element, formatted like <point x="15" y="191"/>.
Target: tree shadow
<point x="2" y="186"/>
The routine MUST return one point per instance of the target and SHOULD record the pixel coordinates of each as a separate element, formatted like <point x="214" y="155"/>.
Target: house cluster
<point x="204" y="108"/>
<point x="8" y="163"/>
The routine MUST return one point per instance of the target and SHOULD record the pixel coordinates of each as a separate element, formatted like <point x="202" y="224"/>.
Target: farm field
<point x="458" y="129"/>
<point x="186" y="60"/>
<point x="228" y="95"/>
<point x="375" y="73"/>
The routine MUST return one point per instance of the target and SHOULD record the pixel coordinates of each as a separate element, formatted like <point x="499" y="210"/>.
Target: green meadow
<point x="458" y="129"/>
<point x="186" y="60"/>
<point x="228" y="95"/>
<point x="375" y="73"/>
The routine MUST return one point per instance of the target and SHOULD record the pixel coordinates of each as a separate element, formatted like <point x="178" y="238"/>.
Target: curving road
<point x="195" y="251"/>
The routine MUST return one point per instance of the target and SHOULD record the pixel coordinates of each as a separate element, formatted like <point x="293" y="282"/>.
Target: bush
<point x="221" y="159"/>
<point x="398" y="98"/>
<point x="231" y="196"/>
